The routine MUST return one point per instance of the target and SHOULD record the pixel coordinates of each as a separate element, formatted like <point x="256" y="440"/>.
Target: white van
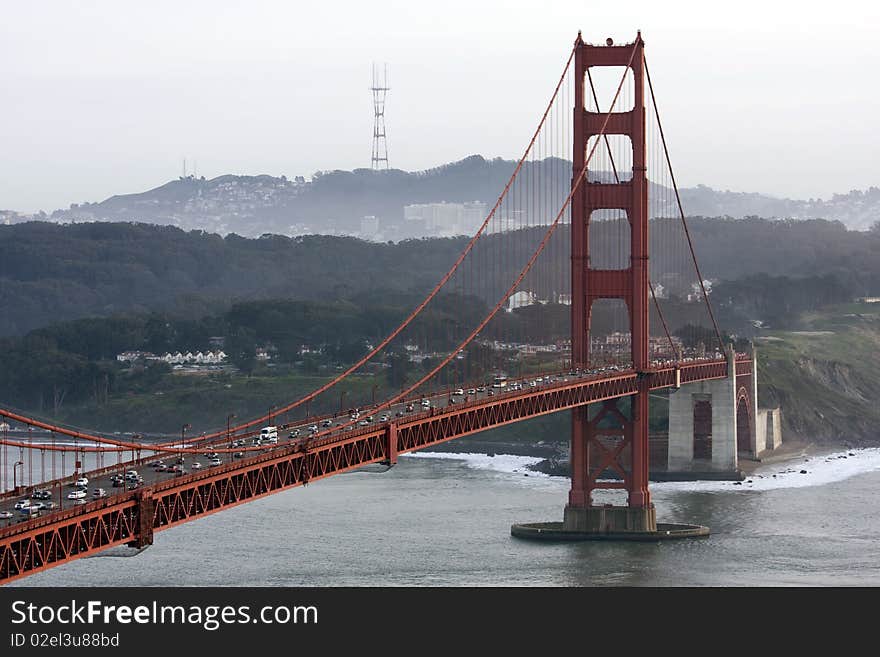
<point x="269" y="434"/>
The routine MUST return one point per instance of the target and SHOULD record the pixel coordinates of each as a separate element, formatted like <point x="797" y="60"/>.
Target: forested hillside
<point x="51" y="273"/>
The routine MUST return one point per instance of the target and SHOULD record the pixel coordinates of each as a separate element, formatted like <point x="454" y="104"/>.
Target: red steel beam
<point x="56" y="538"/>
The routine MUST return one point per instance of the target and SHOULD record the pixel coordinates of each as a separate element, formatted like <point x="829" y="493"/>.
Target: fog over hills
<point x="371" y="204"/>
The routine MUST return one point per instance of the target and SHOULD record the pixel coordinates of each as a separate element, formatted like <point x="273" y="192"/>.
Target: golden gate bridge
<point x="591" y="198"/>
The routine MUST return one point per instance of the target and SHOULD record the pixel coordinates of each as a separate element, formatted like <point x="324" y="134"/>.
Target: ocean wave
<point x="799" y="472"/>
<point x="500" y="462"/>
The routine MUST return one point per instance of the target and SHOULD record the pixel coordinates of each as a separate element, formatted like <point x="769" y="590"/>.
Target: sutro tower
<point x="380" y="144"/>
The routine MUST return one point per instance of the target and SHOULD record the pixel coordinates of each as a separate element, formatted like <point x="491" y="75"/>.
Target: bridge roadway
<point x="292" y="433"/>
<point x="163" y="500"/>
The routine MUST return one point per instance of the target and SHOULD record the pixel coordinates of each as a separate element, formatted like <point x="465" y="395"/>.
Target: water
<point x="445" y="520"/>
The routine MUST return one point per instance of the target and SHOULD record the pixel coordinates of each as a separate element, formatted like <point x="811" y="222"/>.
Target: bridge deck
<point x="132" y="517"/>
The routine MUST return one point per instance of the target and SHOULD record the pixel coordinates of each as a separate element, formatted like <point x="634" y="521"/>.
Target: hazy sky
<point x="107" y="96"/>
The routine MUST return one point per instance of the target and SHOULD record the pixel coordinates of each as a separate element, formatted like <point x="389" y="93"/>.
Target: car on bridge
<point x="99" y="493"/>
<point x="82" y="481"/>
<point x="215" y="461"/>
<point x="21" y="504"/>
<point x="41" y="494"/>
<point x="77" y="494"/>
<point x="6" y="514"/>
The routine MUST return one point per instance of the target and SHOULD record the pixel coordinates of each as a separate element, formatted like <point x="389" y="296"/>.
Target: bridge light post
<point x="229" y="418"/>
<point x="183" y="437"/>
<point x="14" y="472"/>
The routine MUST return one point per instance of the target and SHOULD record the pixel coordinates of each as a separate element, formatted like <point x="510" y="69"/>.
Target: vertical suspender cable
<point x="681" y="211"/>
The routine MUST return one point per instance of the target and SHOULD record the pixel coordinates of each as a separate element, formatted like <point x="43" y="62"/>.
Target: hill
<point x="335" y="202"/>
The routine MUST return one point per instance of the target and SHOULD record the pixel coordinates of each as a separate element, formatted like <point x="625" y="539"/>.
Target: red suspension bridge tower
<point x="608" y="440"/>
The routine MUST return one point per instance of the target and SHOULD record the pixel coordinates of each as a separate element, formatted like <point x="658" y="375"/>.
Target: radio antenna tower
<point x="380" y="144"/>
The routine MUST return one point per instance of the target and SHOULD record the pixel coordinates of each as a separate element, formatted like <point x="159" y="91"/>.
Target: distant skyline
<point x="105" y="98"/>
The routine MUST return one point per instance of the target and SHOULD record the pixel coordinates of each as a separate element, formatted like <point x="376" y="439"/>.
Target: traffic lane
<point x="152" y="476"/>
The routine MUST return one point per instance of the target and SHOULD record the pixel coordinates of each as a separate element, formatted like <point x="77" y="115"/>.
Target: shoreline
<point x="554" y="456"/>
<point x="803" y="465"/>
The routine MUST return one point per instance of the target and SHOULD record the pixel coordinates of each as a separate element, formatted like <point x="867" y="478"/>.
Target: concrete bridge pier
<point x="703" y="425"/>
<point x="713" y="424"/>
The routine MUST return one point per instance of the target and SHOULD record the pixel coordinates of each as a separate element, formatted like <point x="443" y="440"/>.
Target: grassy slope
<point x="826" y="377"/>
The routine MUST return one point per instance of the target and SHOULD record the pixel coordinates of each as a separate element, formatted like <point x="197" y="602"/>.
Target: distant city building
<point x="520" y="299"/>
<point x="447" y="219"/>
<point x="527" y="298"/>
<point x="131" y="356"/>
<point x="189" y="358"/>
<point x="507" y="221"/>
<point x="369" y="226"/>
<point x="696" y="293"/>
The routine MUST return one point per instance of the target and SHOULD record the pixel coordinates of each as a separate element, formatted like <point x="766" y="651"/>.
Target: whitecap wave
<point x="799" y="472"/>
<point x="508" y="463"/>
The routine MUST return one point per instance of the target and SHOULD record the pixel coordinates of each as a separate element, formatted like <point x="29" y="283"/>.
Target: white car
<point x="458" y="391"/>
<point x="77" y="494"/>
<point x="82" y="481"/>
<point x="215" y="461"/>
<point x="22" y="504"/>
<point x="5" y="514"/>
<point x="196" y="465"/>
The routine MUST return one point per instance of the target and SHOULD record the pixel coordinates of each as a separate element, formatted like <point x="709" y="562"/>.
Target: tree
<point x="399" y="370"/>
<point x="241" y="349"/>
